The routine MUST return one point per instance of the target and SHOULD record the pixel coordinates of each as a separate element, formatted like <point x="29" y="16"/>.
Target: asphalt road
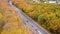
<point x="33" y="25"/>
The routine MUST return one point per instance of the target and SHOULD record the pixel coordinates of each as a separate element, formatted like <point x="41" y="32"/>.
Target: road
<point x="34" y="26"/>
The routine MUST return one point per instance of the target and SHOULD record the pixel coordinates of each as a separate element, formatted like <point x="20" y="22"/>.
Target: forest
<point x="46" y="15"/>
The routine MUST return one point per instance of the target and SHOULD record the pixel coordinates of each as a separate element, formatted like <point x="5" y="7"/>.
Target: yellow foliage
<point x="1" y="16"/>
<point x="13" y="22"/>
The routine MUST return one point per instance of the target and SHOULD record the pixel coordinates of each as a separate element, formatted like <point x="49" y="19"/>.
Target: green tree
<point x="35" y="15"/>
<point x="41" y="19"/>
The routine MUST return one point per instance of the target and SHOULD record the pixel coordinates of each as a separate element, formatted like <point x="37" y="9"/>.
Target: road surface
<point x="34" y="26"/>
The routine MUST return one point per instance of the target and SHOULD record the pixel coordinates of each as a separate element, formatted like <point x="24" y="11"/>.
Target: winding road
<point x="27" y="20"/>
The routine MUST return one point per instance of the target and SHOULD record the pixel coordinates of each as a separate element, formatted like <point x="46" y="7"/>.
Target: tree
<point x="41" y="19"/>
